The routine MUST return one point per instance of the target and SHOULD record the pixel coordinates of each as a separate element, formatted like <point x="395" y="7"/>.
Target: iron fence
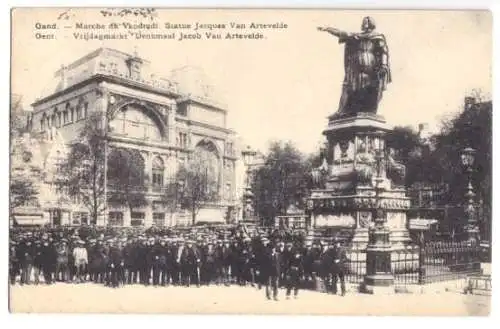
<point x="419" y="263"/>
<point x="355" y="262"/>
<point x="405" y="264"/>
<point x="443" y="261"/>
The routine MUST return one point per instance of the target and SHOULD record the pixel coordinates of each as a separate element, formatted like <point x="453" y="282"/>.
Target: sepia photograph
<point x="250" y="161"/>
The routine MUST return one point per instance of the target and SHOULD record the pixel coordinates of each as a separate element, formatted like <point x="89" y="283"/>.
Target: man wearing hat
<point x="49" y="260"/>
<point x="81" y="260"/>
<point x="13" y="262"/>
<point x="26" y="259"/>
<point x="209" y="264"/>
<point x="173" y="266"/>
<point x="190" y="262"/>
<point x="115" y="263"/>
<point x="338" y="270"/>
<point x="142" y="262"/>
<point x="38" y="261"/>
<point x="159" y="258"/>
<point x="62" y="268"/>
<point x="130" y="271"/>
<point x="271" y="271"/>
<point x="294" y="271"/>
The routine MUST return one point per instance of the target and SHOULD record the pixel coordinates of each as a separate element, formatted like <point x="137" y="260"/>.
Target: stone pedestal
<point x="348" y="197"/>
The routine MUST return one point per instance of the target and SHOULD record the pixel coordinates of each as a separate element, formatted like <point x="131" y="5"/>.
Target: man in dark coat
<point x="115" y="264"/>
<point x="272" y="271"/>
<point x="209" y="267"/>
<point x="338" y="267"/>
<point x="294" y="272"/>
<point x="13" y="262"/>
<point x="190" y="262"/>
<point x="26" y="258"/>
<point x="49" y="259"/>
<point x="142" y="262"/>
<point x="38" y="261"/>
<point x="159" y="255"/>
<point x="129" y="251"/>
<point x="308" y="262"/>
<point x="173" y="266"/>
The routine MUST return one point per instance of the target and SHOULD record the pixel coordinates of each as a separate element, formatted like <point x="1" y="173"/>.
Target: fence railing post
<point x="421" y="259"/>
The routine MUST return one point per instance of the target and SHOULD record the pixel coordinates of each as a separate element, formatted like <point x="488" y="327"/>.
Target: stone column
<point x="222" y="170"/>
<point x="171" y="124"/>
<point x="147" y="169"/>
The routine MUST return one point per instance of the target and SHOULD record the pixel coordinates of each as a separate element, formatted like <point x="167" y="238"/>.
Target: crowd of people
<point x="183" y="257"/>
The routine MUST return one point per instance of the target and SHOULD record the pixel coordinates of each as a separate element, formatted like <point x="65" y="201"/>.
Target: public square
<point x="91" y="298"/>
<point x="127" y="172"/>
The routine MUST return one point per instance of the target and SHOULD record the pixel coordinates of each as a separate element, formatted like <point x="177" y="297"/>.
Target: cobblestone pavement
<point x="234" y="300"/>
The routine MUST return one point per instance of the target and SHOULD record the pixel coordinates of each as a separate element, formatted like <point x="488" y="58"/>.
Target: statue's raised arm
<point x="336" y="32"/>
<point x="367" y="71"/>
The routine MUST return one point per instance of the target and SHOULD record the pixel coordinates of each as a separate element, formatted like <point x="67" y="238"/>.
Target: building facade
<point x="162" y="120"/>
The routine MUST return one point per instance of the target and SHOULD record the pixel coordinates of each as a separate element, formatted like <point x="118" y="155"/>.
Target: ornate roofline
<point x="98" y="77"/>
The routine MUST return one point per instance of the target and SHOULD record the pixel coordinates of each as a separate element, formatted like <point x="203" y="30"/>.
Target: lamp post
<point x="467" y="157"/>
<point x="378" y="251"/>
<point x="248" y="158"/>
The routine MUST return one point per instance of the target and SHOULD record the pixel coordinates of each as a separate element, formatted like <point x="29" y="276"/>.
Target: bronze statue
<point x="367" y="72"/>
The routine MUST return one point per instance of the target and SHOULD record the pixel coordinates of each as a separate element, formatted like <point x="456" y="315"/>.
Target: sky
<point x="284" y="86"/>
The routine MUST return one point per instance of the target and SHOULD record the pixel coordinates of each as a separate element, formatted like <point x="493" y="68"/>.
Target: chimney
<point x="63" y="77"/>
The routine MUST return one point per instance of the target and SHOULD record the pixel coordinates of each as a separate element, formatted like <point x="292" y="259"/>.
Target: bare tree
<point x="195" y="185"/>
<point x="84" y="167"/>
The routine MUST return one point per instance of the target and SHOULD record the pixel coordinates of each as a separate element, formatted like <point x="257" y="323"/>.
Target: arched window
<point x="59" y="120"/>
<point x="66" y="114"/>
<point x="135" y="122"/>
<point x="85" y="109"/>
<point x="78" y="112"/>
<point x="53" y="120"/>
<point x="72" y="111"/>
<point x="207" y="155"/>
<point x="158" y="169"/>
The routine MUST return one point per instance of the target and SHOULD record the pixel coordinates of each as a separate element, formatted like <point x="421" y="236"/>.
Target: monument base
<point x="378" y="284"/>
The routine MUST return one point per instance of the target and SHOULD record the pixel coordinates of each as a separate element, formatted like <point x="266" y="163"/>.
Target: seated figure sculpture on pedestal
<point x="367" y="72"/>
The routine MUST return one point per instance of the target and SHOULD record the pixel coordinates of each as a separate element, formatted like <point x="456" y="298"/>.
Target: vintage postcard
<point x="250" y="161"/>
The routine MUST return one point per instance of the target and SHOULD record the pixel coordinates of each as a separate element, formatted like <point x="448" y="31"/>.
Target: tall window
<point x="115" y="218"/>
<point x="53" y="120"/>
<point x="42" y="123"/>
<point x="158" y="169"/>
<point x="66" y="114"/>
<point x="137" y="218"/>
<point x="59" y="121"/>
<point x="85" y="109"/>
<point x="183" y="140"/>
<point x="159" y="219"/>
<point x="78" y="112"/>
<point x="72" y="111"/>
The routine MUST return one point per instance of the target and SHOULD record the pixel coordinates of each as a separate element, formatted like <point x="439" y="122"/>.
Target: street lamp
<point x="248" y="158"/>
<point x="179" y="192"/>
<point x="467" y="157"/>
<point x="378" y="251"/>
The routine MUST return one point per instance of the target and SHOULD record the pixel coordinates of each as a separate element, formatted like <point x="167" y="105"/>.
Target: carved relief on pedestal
<point x="338" y="220"/>
<point x="365" y="218"/>
<point x="396" y="220"/>
<point x="343" y="152"/>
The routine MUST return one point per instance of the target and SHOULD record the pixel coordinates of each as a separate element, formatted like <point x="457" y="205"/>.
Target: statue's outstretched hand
<point x="320" y="28"/>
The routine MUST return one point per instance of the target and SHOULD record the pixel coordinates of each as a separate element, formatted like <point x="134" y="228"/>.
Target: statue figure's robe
<point x="364" y="55"/>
